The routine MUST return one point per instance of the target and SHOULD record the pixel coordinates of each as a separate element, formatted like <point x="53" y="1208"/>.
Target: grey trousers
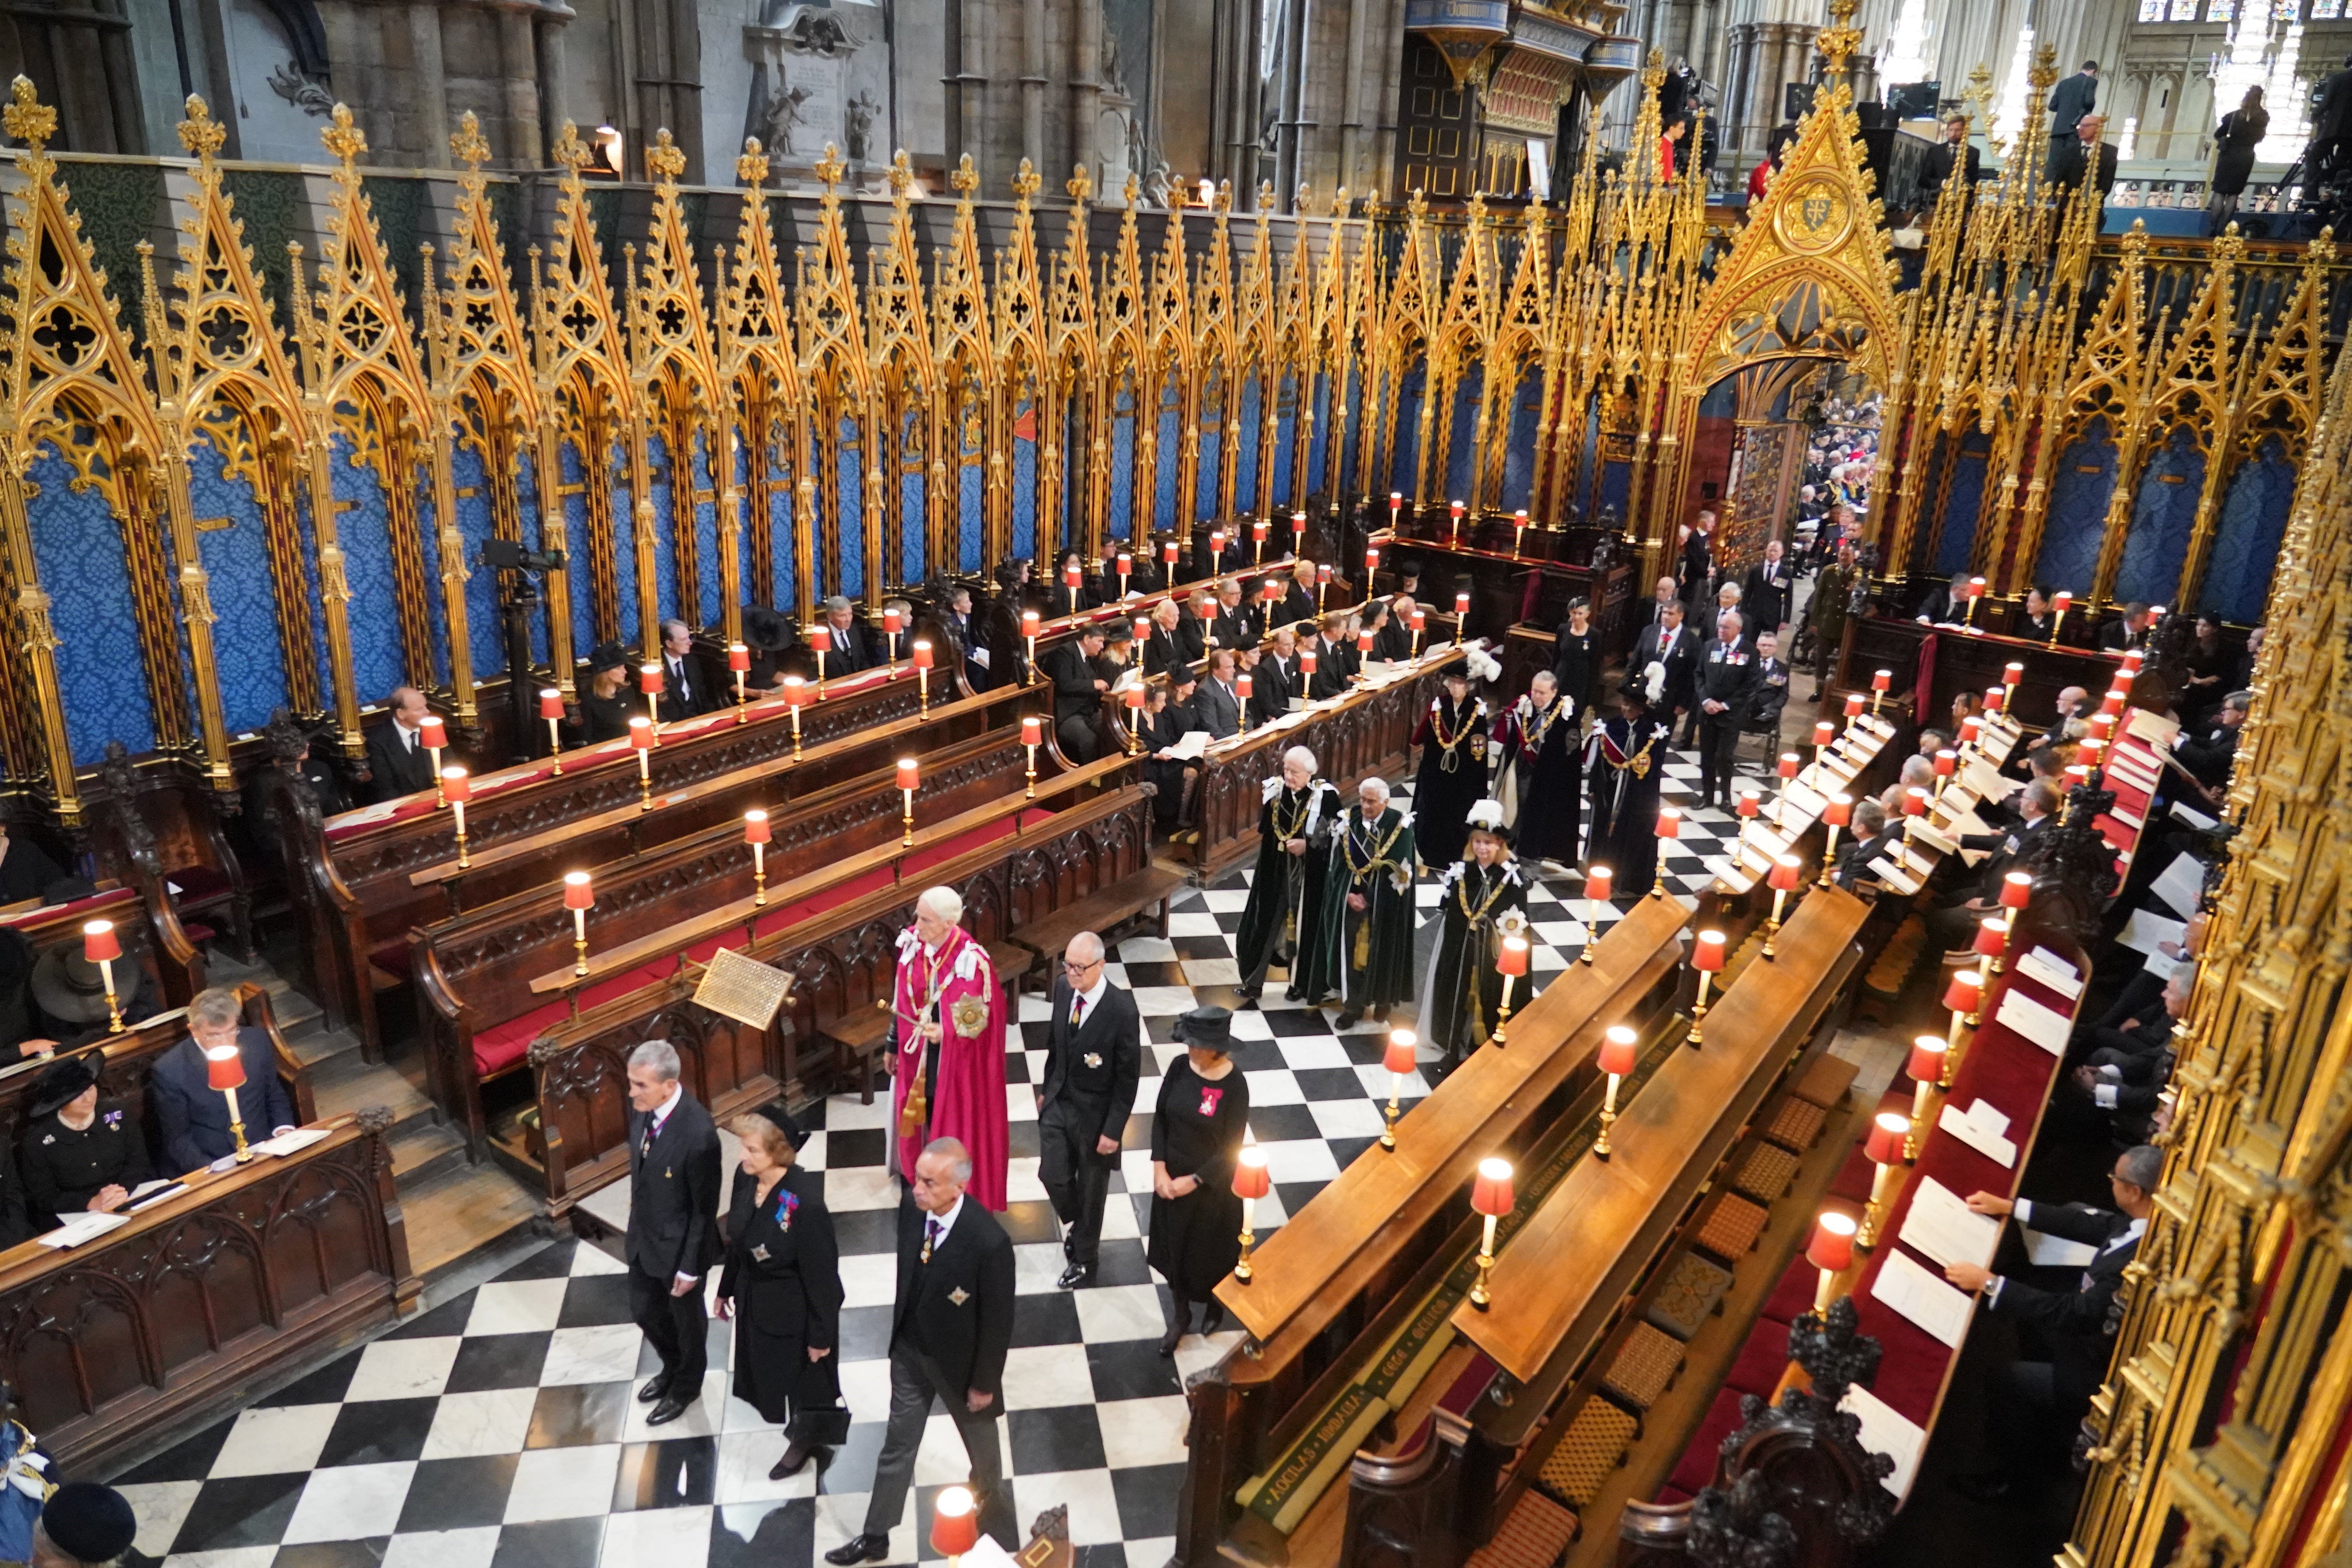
<point x="914" y="1383"/>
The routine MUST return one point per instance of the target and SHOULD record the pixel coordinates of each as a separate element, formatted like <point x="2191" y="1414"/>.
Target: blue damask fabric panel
<point x="101" y="675"/>
<point x="437" y="608"/>
<point x="625" y="545"/>
<point x="1246" y="453"/>
<point x="1285" y="439"/>
<point x="1025" y="541"/>
<point x="2163" y="513"/>
<point x="1318" y="451"/>
<point x="668" y="542"/>
<point x="577" y="550"/>
<point x="850" y="521"/>
<point x="783" y="558"/>
<point x="2245" y="547"/>
<point x="1351" y="452"/>
<point x="235" y="544"/>
<point x="1616" y="485"/>
<point x="1963" y="505"/>
<point x="527" y="498"/>
<point x="1168" y="458"/>
<point x="1467" y="393"/>
<point x="2077" y="519"/>
<point x="378" y="663"/>
<point x="706" y="612"/>
<point x="1407" y="430"/>
<point x="913" y="547"/>
<point x="1204" y="477"/>
<point x="485" y="637"/>
<point x="1519" y="446"/>
<point x="1588" y="467"/>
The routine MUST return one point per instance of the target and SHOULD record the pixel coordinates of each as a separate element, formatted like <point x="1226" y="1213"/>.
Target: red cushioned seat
<point x="1698" y="1461"/>
<point x="1762" y="1359"/>
<point x="503" y="1044"/>
<point x="1793" y="1298"/>
<point x="1671" y="1493"/>
<point x="393" y="958"/>
<point x="1853" y="1177"/>
<point x="199" y="882"/>
<point x="198" y="933"/>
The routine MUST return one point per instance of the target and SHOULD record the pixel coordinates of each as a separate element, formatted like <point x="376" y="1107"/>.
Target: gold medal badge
<point x="971" y="1016"/>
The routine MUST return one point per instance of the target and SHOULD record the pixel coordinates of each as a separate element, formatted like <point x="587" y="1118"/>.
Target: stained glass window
<point x="2221" y="10"/>
<point x="2151" y="10"/>
<point x="2326" y="10"/>
<point x="2184" y="10"/>
<point x="2288" y="10"/>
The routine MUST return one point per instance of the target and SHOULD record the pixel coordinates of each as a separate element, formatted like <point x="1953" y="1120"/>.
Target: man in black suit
<point x="1675" y="646"/>
<point x="673" y="1236"/>
<point x="1697" y="583"/>
<point x="2130" y="632"/>
<point x="2071" y="99"/>
<point x="848" y="654"/>
<point x="1977" y="893"/>
<point x="1871" y="841"/>
<point x="1093" y="1060"/>
<point x="1078" y="687"/>
<point x="950" y="1326"/>
<point x="1196" y="633"/>
<point x="1666" y="593"/>
<point x="1764" y="600"/>
<point x="1952" y="152"/>
<point x="2075" y="1329"/>
<point x="1771" y="688"/>
<point x="397" y="760"/>
<point x="682" y="694"/>
<point x="1335" y="661"/>
<point x="2081" y="157"/>
<point x="2210" y="756"/>
<point x="1239" y="623"/>
<point x="1164" y="645"/>
<point x="1726" y="684"/>
<point x="191" y="1116"/>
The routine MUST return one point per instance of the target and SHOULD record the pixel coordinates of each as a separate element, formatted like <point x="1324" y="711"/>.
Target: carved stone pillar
<point x="428" y="112"/>
<point x="519" y="51"/>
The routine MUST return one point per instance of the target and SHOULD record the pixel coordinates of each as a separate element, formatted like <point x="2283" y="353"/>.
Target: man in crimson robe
<point x="948" y="1071"/>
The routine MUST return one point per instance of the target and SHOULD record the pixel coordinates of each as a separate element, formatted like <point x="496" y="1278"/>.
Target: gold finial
<point x="1841" y="38"/>
<point x="1339" y="201"/>
<point x="1081" y="186"/>
<point x="830" y="168"/>
<point x="1223" y="202"/>
<point x="901" y="176"/>
<point x="1134" y="190"/>
<point x="1026" y="182"/>
<point x="468" y="144"/>
<point x="200" y="133"/>
<point x="1304" y="204"/>
<point x="751" y="168"/>
<point x="966" y="179"/>
<point x="26" y="118"/>
<point x="665" y="159"/>
<point x="344" y="139"/>
<point x="570" y="152"/>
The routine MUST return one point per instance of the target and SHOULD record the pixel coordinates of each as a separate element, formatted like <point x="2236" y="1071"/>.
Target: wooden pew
<point x="195" y="1299"/>
<point x="1346" y="1276"/>
<point x="842" y="959"/>
<point x="153" y="941"/>
<point x="1528" y="586"/>
<point x="1964" y="663"/>
<point x="1455" y="1480"/>
<point x="129" y="1054"/>
<point x="480" y="976"/>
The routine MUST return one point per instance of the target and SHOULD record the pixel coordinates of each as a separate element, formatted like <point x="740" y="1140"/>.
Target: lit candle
<point x="1597" y="888"/>
<point x="1706" y="959"/>
<point x="579" y="897"/>
<point x="1831" y="1251"/>
<point x="1618" y="1056"/>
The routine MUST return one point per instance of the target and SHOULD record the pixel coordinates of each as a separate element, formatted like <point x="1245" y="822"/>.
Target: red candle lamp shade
<point x="1216" y="541"/>
<point x="890" y="620"/>
<point x="1364" y="642"/>
<point x="1323" y="575"/>
<point x="1706" y="953"/>
<point x="1620" y="1049"/>
<point x="1670" y="823"/>
<point x="1751" y="802"/>
<point x="1243" y="686"/>
<point x="2101" y="726"/>
<point x="649" y="680"/>
<point x="1839" y="812"/>
<point x="99" y="942"/>
<point x="755" y="828"/>
<point x="1512" y="962"/>
<point x="1995" y="700"/>
<point x="550" y="703"/>
<point x="1887" y="1131"/>
<point x="1971" y="728"/>
<point x="1926" y="1064"/>
<point x="1257" y="530"/>
<point x="2017" y="889"/>
<point x="1914" y="802"/>
<point x="1824" y="733"/>
<point x="579" y="890"/>
<point x="2078" y="776"/>
<point x="1126" y="564"/>
<point x="1880" y="680"/>
<point x="1396" y="502"/>
<point x="1976" y="587"/>
<point x="1790" y="763"/>
<point x="433" y="735"/>
<point x="2113" y="704"/>
<point x="2131" y="662"/>
<point x="1168" y="552"/>
<point x="1306" y="660"/>
<point x="1947" y="762"/>
<point x="1455" y="508"/>
<point x="909" y="774"/>
<point x="1371" y="561"/>
<point x="821" y="634"/>
<point x="1251" y="1179"/>
<point x="2093" y="750"/>
<point x="1831" y="1248"/>
<point x="1272" y="591"/>
<point x="923" y="651"/>
<point x="641" y="732"/>
<point x="1597" y="883"/>
<point x="1993" y="937"/>
<point x="1965" y="992"/>
<point x="224" y="1069"/>
<point x="2012" y="672"/>
<point x="1788" y="874"/>
<point x="1028" y="623"/>
<point x="1461" y="604"/>
<point x="1032" y="730"/>
<point x="1490" y="1194"/>
<point x="1207" y="610"/>
<point x="955" y="1522"/>
<point x="796" y="690"/>
<point x="456" y="787"/>
<point x="1398" y="1057"/>
<point x="1134" y="696"/>
<point x="1142" y="629"/>
<point x="1853" y="705"/>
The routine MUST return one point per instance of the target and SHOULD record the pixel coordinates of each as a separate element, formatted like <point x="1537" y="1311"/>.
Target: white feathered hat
<point x="1484" y="666"/>
<point x="1654" y="682"/>
<point x="1486" y="814"/>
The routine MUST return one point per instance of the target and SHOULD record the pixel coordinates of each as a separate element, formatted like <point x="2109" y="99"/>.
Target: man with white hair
<point x="1297" y="812"/>
<point x="947" y="1078"/>
<point x="849" y="653"/>
<point x="673" y="1236"/>
<point x="1725" y="688"/>
<point x="1364" y="949"/>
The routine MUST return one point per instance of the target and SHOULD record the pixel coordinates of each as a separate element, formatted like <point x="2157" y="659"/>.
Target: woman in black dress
<point x="604" y="706"/>
<point x="24" y="870"/>
<point x="2211" y="663"/>
<point x="1451" y="777"/>
<point x="80" y="1154"/>
<point x="1168" y="713"/>
<point x="1626" y="761"/>
<point x="1576" y="661"/>
<point x="1196" y="1136"/>
<point x="781" y="1282"/>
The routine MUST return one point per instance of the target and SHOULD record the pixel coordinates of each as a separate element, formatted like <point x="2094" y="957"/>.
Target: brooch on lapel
<point x="959" y="1295"/>
<point x="761" y="1252"/>
<point x="1093" y="1058"/>
<point x="1209" y="1098"/>
<point x="114" y="1121"/>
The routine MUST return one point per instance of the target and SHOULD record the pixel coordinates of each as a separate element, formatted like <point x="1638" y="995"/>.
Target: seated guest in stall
<point x="1196" y="633"/>
<point x="398" y="763"/>
<point x="1118" y="651"/>
<point x="2128" y="631"/>
<point x="1275" y="678"/>
<point x="955" y="613"/>
<point x="2148" y="1028"/>
<point x="1453" y="736"/>
<point x="2111" y="1096"/>
<point x="898" y="646"/>
<point x="1363" y="950"/>
<point x="1480" y="900"/>
<point x="1871" y="840"/>
<point x="1299" y="599"/>
<point x="682" y="695"/>
<point x="1576" y="660"/>
<point x="1541" y="783"/>
<point x="2038" y="621"/>
<point x="1966" y="705"/>
<point x="2253" y="653"/>
<point x="2036" y="1403"/>
<point x="2213" y="668"/>
<point x="1297" y="813"/>
<point x="1916" y="773"/>
<point x="25" y="869"/>
<point x="767" y="635"/>
<point x="78" y="1152"/>
<point x="2209" y="756"/>
<point x="605" y="702"/>
<point x="1170" y="713"/>
<point x="1218" y="702"/>
<point x="1240" y="624"/>
<point x="2142" y="996"/>
<point x="22" y="1033"/>
<point x="1146" y="574"/>
<point x="69" y="995"/>
<point x="1408" y="573"/>
<point x="1392" y="632"/>
<point x="1375" y="619"/>
<point x="1335" y="659"/>
<point x="850" y="651"/>
<point x="1163" y="646"/>
<point x="1060" y="599"/>
<point x="1198" y="1126"/>
<point x="191" y="1116"/>
<point x="1625" y="758"/>
<point x="780" y="1280"/>
<point x="1078" y="687"/>
<point x="1976" y="894"/>
<point x="1945" y="601"/>
<point x="1765" y="598"/>
<point x="2073" y="704"/>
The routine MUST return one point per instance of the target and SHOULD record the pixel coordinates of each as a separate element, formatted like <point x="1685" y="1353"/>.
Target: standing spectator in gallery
<point x="2083" y="159"/>
<point x="2234" y="141"/>
<point x="2071" y="100"/>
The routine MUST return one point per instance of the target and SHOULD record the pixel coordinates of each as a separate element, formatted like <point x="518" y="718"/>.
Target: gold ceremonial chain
<point x="1639" y="761"/>
<point x="1534" y="732"/>
<point x="1380" y="852"/>
<point x="1461" y="896"/>
<point x="1445" y="742"/>
<point x="1297" y="824"/>
<point x="918" y="1108"/>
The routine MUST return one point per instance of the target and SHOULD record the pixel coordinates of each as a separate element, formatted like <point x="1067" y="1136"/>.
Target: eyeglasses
<point x="1069" y="968"/>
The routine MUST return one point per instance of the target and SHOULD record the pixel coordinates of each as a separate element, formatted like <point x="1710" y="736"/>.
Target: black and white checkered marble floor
<point x="496" y="1430"/>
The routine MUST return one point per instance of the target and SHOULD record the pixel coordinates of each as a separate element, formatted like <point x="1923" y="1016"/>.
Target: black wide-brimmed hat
<point x="607" y="656"/>
<point x="63" y="1079"/>
<point x="766" y="630"/>
<point x="72" y="990"/>
<point x="779" y="1115"/>
<point x="1212" y="1029"/>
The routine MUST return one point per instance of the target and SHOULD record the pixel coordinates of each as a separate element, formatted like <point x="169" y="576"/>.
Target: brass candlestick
<point x="742" y="717"/>
<point x="113" y="1002"/>
<point x="580" y="944"/>
<point x="236" y="1128"/>
<point x="1600" y="1148"/>
<point x="1031" y="792"/>
<point x="1867" y="1235"/>
<point x="645" y="783"/>
<point x="1479" y="1298"/>
<point x="1503" y="1014"/>
<point x="555" y="744"/>
<point x="1772" y="930"/>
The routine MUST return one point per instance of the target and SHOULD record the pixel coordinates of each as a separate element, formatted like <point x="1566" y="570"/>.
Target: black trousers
<point x="1075" y="1177"/>
<point x="676" y="1326"/>
<point x="1719" y="743"/>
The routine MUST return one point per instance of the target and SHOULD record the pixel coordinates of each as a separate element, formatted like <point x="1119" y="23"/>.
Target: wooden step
<point x="424" y="1150"/>
<point x="345" y="1083"/>
<point x="457" y="1213"/>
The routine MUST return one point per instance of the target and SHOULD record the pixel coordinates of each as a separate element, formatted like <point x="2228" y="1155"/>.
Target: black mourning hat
<point x="780" y="1116"/>
<point x="1408" y="566"/>
<point x="63" y="1079"/>
<point x="72" y="990"/>
<point x="90" y="1522"/>
<point x="1211" y="1029"/>
<point x="766" y="630"/>
<point x="607" y="656"/>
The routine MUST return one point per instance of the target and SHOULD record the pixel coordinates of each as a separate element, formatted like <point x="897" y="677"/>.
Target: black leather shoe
<point x="794" y="1461"/>
<point x="1075" y="1274"/>
<point x="1168" y="1341"/>
<point x="859" y="1549"/>
<point x="1213" y="1320"/>
<point x="1349" y="1021"/>
<point x="655" y="1387"/>
<point x="670" y="1408"/>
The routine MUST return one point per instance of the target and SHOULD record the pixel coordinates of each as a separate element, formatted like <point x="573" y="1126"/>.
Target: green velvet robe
<point x="1365" y="958"/>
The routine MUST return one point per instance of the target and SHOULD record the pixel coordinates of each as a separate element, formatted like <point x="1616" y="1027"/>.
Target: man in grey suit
<point x="1094" y="1058"/>
<point x="1219" y="701"/>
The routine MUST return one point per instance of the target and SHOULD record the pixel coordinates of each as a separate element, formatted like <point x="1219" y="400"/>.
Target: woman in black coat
<point x="781" y="1282"/>
<point x="1197" y="1131"/>
<point x="2234" y="139"/>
